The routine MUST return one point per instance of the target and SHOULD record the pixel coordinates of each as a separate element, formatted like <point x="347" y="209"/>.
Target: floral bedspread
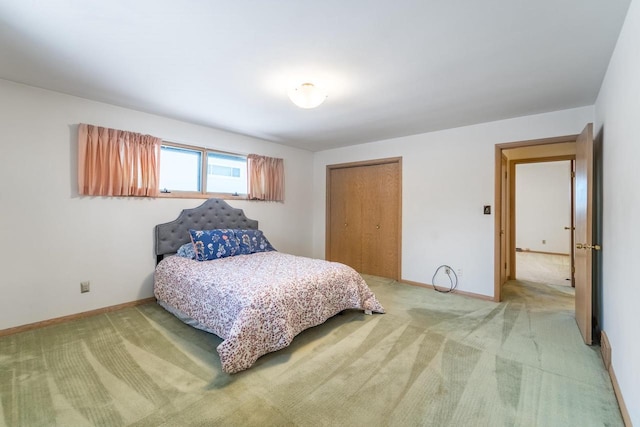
<point x="258" y="303"/>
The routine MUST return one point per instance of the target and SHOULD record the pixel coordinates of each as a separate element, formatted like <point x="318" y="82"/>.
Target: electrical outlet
<point x="447" y="271"/>
<point x="459" y="272"/>
<point x="544" y="242"/>
<point x="85" y="287"/>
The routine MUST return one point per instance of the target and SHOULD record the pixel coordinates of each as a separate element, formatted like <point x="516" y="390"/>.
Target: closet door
<point x="363" y="216"/>
<point x="345" y="219"/>
<point x="380" y="237"/>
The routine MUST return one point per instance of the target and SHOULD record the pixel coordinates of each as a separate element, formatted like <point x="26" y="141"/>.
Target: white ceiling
<point x="391" y="68"/>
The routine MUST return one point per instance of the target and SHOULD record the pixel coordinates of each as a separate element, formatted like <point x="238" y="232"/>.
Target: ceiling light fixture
<point x="307" y="95"/>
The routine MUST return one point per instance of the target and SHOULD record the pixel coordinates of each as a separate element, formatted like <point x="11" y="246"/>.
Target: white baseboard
<point x="57" y="320"/>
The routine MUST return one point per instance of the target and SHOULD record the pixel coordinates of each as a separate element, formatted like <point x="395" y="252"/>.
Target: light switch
<point x="487" y="209"/>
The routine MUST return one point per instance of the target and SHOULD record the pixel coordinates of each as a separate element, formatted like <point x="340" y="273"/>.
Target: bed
<point x="255" y="302"/>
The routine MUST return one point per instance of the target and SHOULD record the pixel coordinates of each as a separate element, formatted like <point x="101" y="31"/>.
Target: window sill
<point x="190" y="195"/>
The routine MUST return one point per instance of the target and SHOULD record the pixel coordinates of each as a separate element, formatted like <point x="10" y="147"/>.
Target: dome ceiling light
<point x="307" y="95"/>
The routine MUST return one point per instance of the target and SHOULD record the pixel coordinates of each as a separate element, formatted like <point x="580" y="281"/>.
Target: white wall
<point x="52" y="239"/>
<point x="617" y="116"/>
<point x="543" y="206"/>
<point x="447" y="178"/>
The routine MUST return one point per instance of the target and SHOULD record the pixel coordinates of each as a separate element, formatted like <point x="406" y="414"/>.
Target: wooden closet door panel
<point x="380" y="220"/>
<point x="388" y="209"/>
<point x="355" y="205"/>
<point x="370" y="219"/>
<point x="346" y="217"/>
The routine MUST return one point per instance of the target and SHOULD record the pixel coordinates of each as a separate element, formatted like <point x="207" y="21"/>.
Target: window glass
<point x="226" y="173"/>
<point x="180" y="169"/>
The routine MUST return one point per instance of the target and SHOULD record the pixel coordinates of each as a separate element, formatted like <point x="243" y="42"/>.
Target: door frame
<point x="499" y="227"/>
<point x="374" y="162"/>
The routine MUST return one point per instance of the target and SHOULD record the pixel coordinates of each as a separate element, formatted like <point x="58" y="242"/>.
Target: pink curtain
<point x="113" y="162"/>
<point x="266" y="178"/>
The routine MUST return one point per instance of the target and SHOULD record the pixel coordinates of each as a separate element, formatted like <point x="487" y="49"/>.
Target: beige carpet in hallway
<point x="543" y="268"/>
<point x="434" y="359"/>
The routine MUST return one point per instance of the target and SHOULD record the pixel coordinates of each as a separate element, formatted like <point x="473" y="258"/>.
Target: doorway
<point x="585" y="217"/>
<point x="507" y="156"/>
<point x="542" y="204"/>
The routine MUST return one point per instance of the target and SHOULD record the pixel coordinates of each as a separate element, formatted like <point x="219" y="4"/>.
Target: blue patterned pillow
<point x="187" y="251"/>
<point x="214" y="244"/>
<point x="252" y="241"/>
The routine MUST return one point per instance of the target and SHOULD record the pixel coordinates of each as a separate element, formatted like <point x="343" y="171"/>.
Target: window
<point x="226" y="173"/>
<point x="182" y="167"/>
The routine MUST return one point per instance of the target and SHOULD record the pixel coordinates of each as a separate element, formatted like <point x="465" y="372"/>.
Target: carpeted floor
<point x="543" y="268"/>
<point x="433" y="359"/>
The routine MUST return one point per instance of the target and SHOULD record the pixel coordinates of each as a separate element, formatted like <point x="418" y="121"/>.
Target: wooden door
<point x="345" y="220"/>
<point x="380" y="226"/>
<point x="363" y="215"/>
<point x="584" y="232"/>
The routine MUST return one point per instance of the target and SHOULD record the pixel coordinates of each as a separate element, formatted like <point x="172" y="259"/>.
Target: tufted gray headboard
<point x="214" y="213"/>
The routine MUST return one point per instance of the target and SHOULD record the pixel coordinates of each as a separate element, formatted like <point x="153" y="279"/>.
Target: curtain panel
<point x="266" y="178"/>
<point x="114" y="162"/>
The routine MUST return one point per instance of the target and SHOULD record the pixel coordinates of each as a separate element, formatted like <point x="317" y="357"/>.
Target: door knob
<point x="378" y="226"/>
<point x="580" y="246"/>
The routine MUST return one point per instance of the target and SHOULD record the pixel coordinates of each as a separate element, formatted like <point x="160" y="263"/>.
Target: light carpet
<point x="434" y="359"/>
<point x="543" y="268"/>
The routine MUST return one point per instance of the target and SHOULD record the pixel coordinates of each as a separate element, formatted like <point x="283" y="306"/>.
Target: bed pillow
<point x="214" y="244"/>
<point x="252" y="241"/>
<point x="187" y="251"/>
